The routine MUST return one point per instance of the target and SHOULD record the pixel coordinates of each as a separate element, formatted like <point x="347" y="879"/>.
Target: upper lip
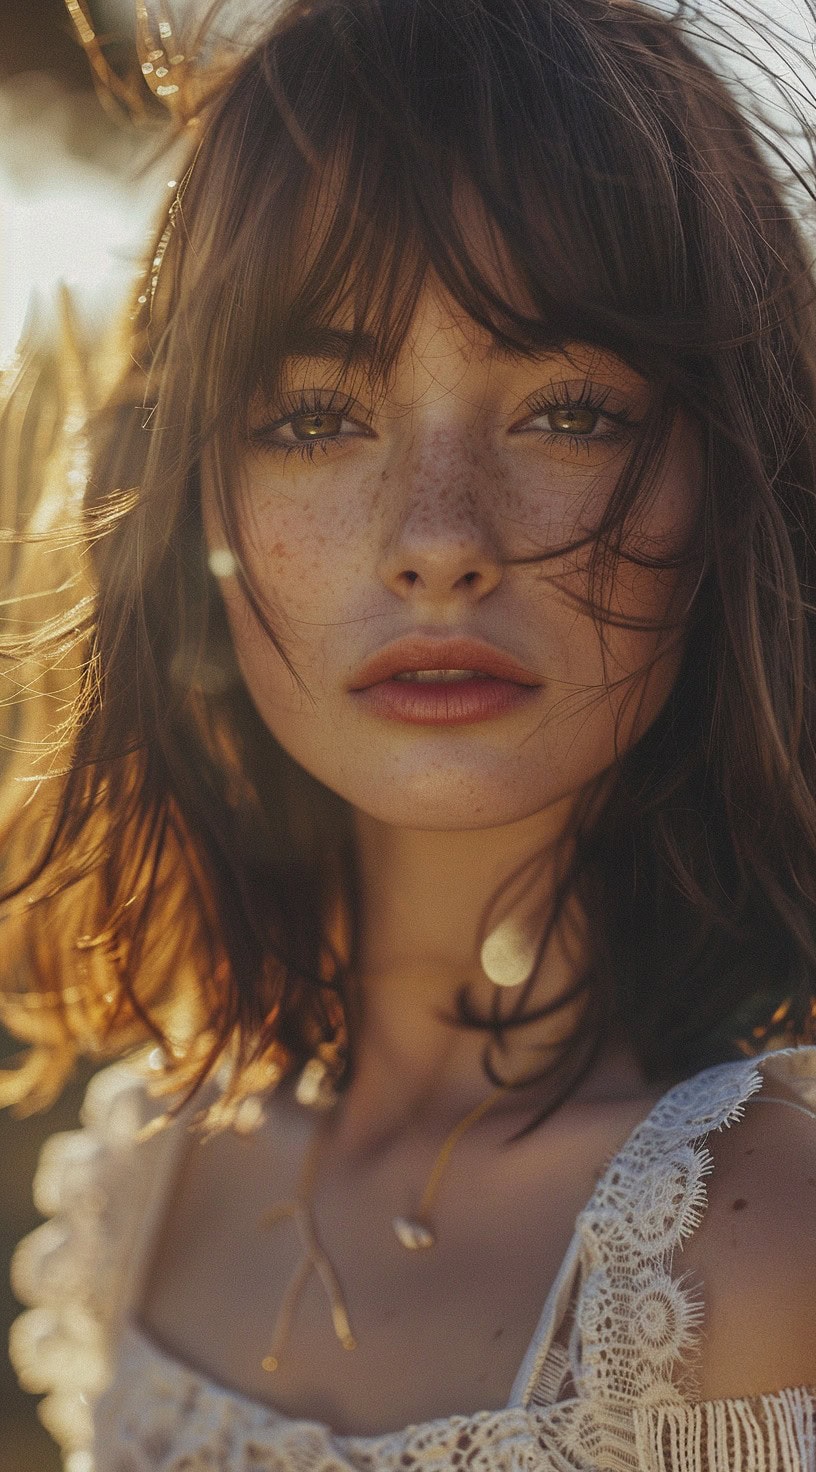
<point x="419" y="652"/>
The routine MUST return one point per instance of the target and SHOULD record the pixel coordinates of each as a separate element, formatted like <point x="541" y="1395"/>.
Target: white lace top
<point x="602" y="1388"/>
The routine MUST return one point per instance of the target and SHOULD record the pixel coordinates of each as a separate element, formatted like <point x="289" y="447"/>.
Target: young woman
<point x="431" y="775"/>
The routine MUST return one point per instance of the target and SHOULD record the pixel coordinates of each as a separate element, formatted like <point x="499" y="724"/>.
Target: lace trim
<point x="769" y="1433"/>
<point x="636" y="1325"/>
<point x="161" y="1418"/>
<point x="78" y="1268"/>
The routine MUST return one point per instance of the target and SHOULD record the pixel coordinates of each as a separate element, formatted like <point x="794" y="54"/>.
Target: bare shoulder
<point x="754" y="1254"/>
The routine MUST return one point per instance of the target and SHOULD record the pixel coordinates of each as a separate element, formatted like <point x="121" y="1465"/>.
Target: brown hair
<point x="189" y="881"/>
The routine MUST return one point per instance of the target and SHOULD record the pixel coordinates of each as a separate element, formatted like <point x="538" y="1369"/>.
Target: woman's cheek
<point x="305" y="548"/>
<point x="306" y="570"/>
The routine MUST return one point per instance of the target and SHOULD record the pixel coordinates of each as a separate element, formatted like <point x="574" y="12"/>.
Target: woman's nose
<point x="442" y="543"/>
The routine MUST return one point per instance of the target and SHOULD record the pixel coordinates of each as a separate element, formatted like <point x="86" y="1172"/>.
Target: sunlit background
<point x="77" y="191"/>
<point x="79" y="195"/>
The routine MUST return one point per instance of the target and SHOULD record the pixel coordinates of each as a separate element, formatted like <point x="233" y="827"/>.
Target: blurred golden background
<point x="77" y="198"/>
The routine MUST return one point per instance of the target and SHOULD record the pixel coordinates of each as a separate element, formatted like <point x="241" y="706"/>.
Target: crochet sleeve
<point x="77" y="1271"/>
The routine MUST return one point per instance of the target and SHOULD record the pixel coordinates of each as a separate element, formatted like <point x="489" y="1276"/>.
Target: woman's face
<point x="370" y="524"/>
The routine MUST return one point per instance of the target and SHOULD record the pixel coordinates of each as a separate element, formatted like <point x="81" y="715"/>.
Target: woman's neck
<point x="424" y="898"/>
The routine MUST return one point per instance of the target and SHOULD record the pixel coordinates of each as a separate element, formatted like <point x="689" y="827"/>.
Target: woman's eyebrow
<point x="352" y="348"/>
<point x="500" y="353"/>
<point x="559" y="354"/>
<point x="330" y="344"/>
<point x="359" y="348"/>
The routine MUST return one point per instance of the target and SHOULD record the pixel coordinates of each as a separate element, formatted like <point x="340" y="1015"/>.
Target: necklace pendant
<point x="412" y="1234"/>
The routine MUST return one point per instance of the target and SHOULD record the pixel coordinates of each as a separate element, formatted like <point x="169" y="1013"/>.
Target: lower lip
<point x="440" y="703"/>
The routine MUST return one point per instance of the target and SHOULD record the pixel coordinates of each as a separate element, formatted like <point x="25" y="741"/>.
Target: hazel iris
<point x="314" y="426"/>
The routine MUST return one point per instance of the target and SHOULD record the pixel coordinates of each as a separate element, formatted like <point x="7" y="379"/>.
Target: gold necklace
<point x="414" y="1233"/>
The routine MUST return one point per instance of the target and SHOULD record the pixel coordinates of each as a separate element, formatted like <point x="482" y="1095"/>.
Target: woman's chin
<point x="445" y="801"/>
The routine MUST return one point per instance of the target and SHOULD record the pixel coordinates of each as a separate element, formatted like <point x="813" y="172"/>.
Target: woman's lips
<point x="499" y="683"/>
<point x="444" y="702"/>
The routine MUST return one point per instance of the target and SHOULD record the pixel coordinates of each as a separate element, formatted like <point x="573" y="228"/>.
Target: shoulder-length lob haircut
<point x="188" y="880"/>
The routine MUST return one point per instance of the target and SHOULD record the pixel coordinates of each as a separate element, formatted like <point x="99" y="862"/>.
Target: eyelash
<point x="558" y="397"/>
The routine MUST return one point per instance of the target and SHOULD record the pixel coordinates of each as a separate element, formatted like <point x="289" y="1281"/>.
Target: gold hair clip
<point x="173" y="69"/>
<point x="162" y="60"/>
<point x="118" y="94"/>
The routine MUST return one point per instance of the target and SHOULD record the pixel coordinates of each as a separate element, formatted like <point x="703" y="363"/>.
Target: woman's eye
<point x="576" y="427"/>
<point x="306" y="430"/>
